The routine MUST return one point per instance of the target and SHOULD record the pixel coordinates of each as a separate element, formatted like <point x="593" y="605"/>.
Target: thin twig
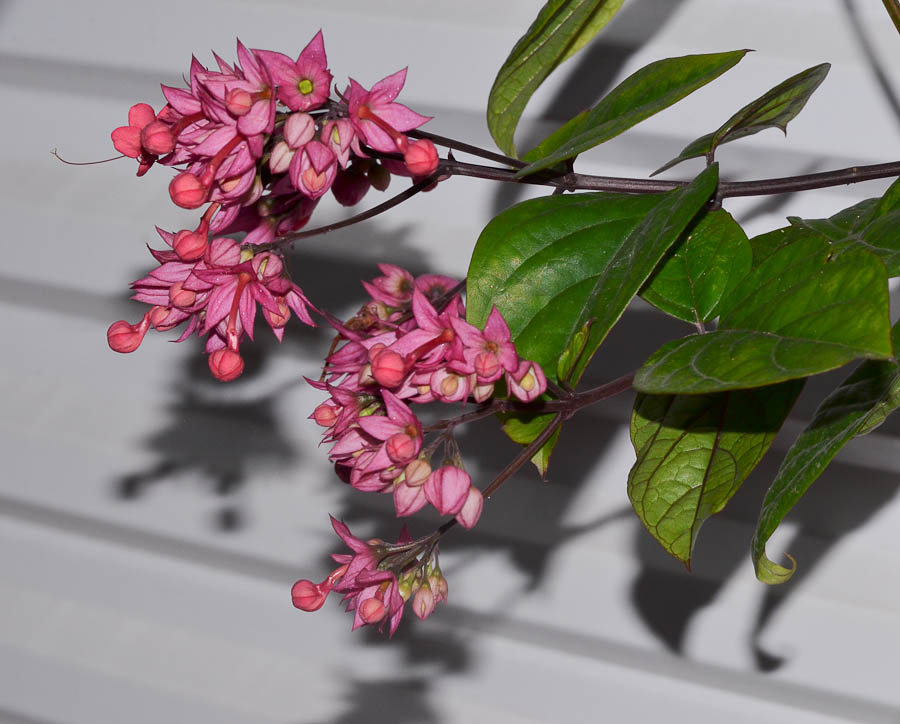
<point x="761" y="187"/>
<point x="526" y="455"/>
<point x="368" y="214"/>
<point x="893" y="9"/>
<point x="468" y="148"/>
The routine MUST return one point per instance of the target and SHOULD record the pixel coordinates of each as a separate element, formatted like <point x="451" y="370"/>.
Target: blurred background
<point x="152" y="520"/>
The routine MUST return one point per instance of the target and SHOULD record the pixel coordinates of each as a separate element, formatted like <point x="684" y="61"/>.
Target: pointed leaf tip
<point x="767" y="571"/>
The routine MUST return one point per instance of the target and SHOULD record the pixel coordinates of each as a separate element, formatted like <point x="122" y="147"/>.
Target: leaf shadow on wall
<point x="668" y="598"/>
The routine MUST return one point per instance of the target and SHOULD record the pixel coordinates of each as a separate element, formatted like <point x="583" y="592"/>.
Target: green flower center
<point x="305" y="86"/>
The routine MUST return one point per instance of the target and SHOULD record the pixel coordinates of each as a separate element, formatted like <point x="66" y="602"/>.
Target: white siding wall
<point x="152" y="522"/>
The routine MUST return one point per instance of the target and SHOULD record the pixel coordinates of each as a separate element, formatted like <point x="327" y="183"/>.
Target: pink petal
<point x="446" y="489"/>
<point x="385" y="90"/>
<point x="140" y="114"/>
<point x="471" y="511"/>
<point x="408" y="500"/>
<point x="314" y="51"/>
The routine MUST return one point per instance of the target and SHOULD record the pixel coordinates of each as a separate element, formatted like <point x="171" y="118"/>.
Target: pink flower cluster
<point x="378" y="578"/>
<point x="217" y="295"/>
<point x="261" y="142"/>
<point x="401" y="349"/>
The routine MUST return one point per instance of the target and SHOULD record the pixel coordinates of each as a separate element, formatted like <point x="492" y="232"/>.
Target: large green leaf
<point x="709" y="260"/>
<point x="695" y="451"/>
<point x="800" y="312"/>
<point x="562" y="270"/>
<point x="644" y="93"/>
<point x="873" y="224"/>
<point x="553" y="264"/>
<point x="856" y="407"/>
<point x="561" y="29"/>
<point x="774" y="109"/>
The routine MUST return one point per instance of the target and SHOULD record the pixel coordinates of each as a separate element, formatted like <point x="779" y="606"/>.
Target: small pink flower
<point x="528" y="382"/>
<point x="377" y="118"/>
<point x="303" y="84"/>
<point x="313" y="169"/>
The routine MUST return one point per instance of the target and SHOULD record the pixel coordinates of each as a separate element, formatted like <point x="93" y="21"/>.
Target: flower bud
<point x="400" y="447"/>
<point x="124" y="337"/>
<point x="281" y="157"/>
<point x="528" y="382"/>
<point x="307" y="596"/>
<point x="181" y="297"/>
<point x="188" y="191"/>
<point x="372" y="610"/>
<point x="481" y="393"/>
<point x="379" y="176"/>
<point x="417" y="472"/>
<point x="471" y="511"/>
<point x="446" y="489"/>
<point x="350" y="187"/>
<point x="408" y="500"/>
<point x="157" y="138"/>
<point x="277" y="321"/>
<point x="421" y="158"/>
<point x="299" y="130"/>
<point x="423" y="603"/>
<point x="325" y="415"/>
<point x="238" y="102"/>
<point x="487" y="367"/>
<point x="226" y="364"/>
<point x="388" y="369"/>
<point x="190" y="245"/>
<point x="163" y="319"/>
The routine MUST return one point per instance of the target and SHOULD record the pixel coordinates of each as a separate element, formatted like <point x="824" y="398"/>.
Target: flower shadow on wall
<point x="216" y="438"/>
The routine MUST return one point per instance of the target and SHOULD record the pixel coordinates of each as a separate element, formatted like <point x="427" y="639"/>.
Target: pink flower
<point x="144" y="138"/>
<point x="377" y="578"/>
<point x="377" y="118"/>
<point x="528" y="382"/>
<point x="313" y="169"/>
<point x="303" y="84"/>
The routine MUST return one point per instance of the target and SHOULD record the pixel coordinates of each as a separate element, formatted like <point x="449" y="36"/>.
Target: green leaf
<point x="644" y="93"/>
<point x="765" y="245"/>
<point x="695" y="451"/>
<point x="705" y="265"/>
<point x="873" y="224"/>
<point x="562" y="269"/>
<point x="774" y="109"/>
<point x="799" y="313"/>
<point x="552" y="264"/>
<point x="524" y="427"/>
<point x="857" y="406"/>
<point x="561" y="29"/>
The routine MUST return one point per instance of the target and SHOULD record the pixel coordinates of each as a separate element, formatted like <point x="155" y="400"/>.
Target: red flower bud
<point x="157" y="138"/>
<point x="188" y="191"/>
<point x="226" y="364"/>
<point x="388" y="369"/>
<point x="421" y="158"/>
<point x="189" y="245"/>
<point x="124" y="337"/>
